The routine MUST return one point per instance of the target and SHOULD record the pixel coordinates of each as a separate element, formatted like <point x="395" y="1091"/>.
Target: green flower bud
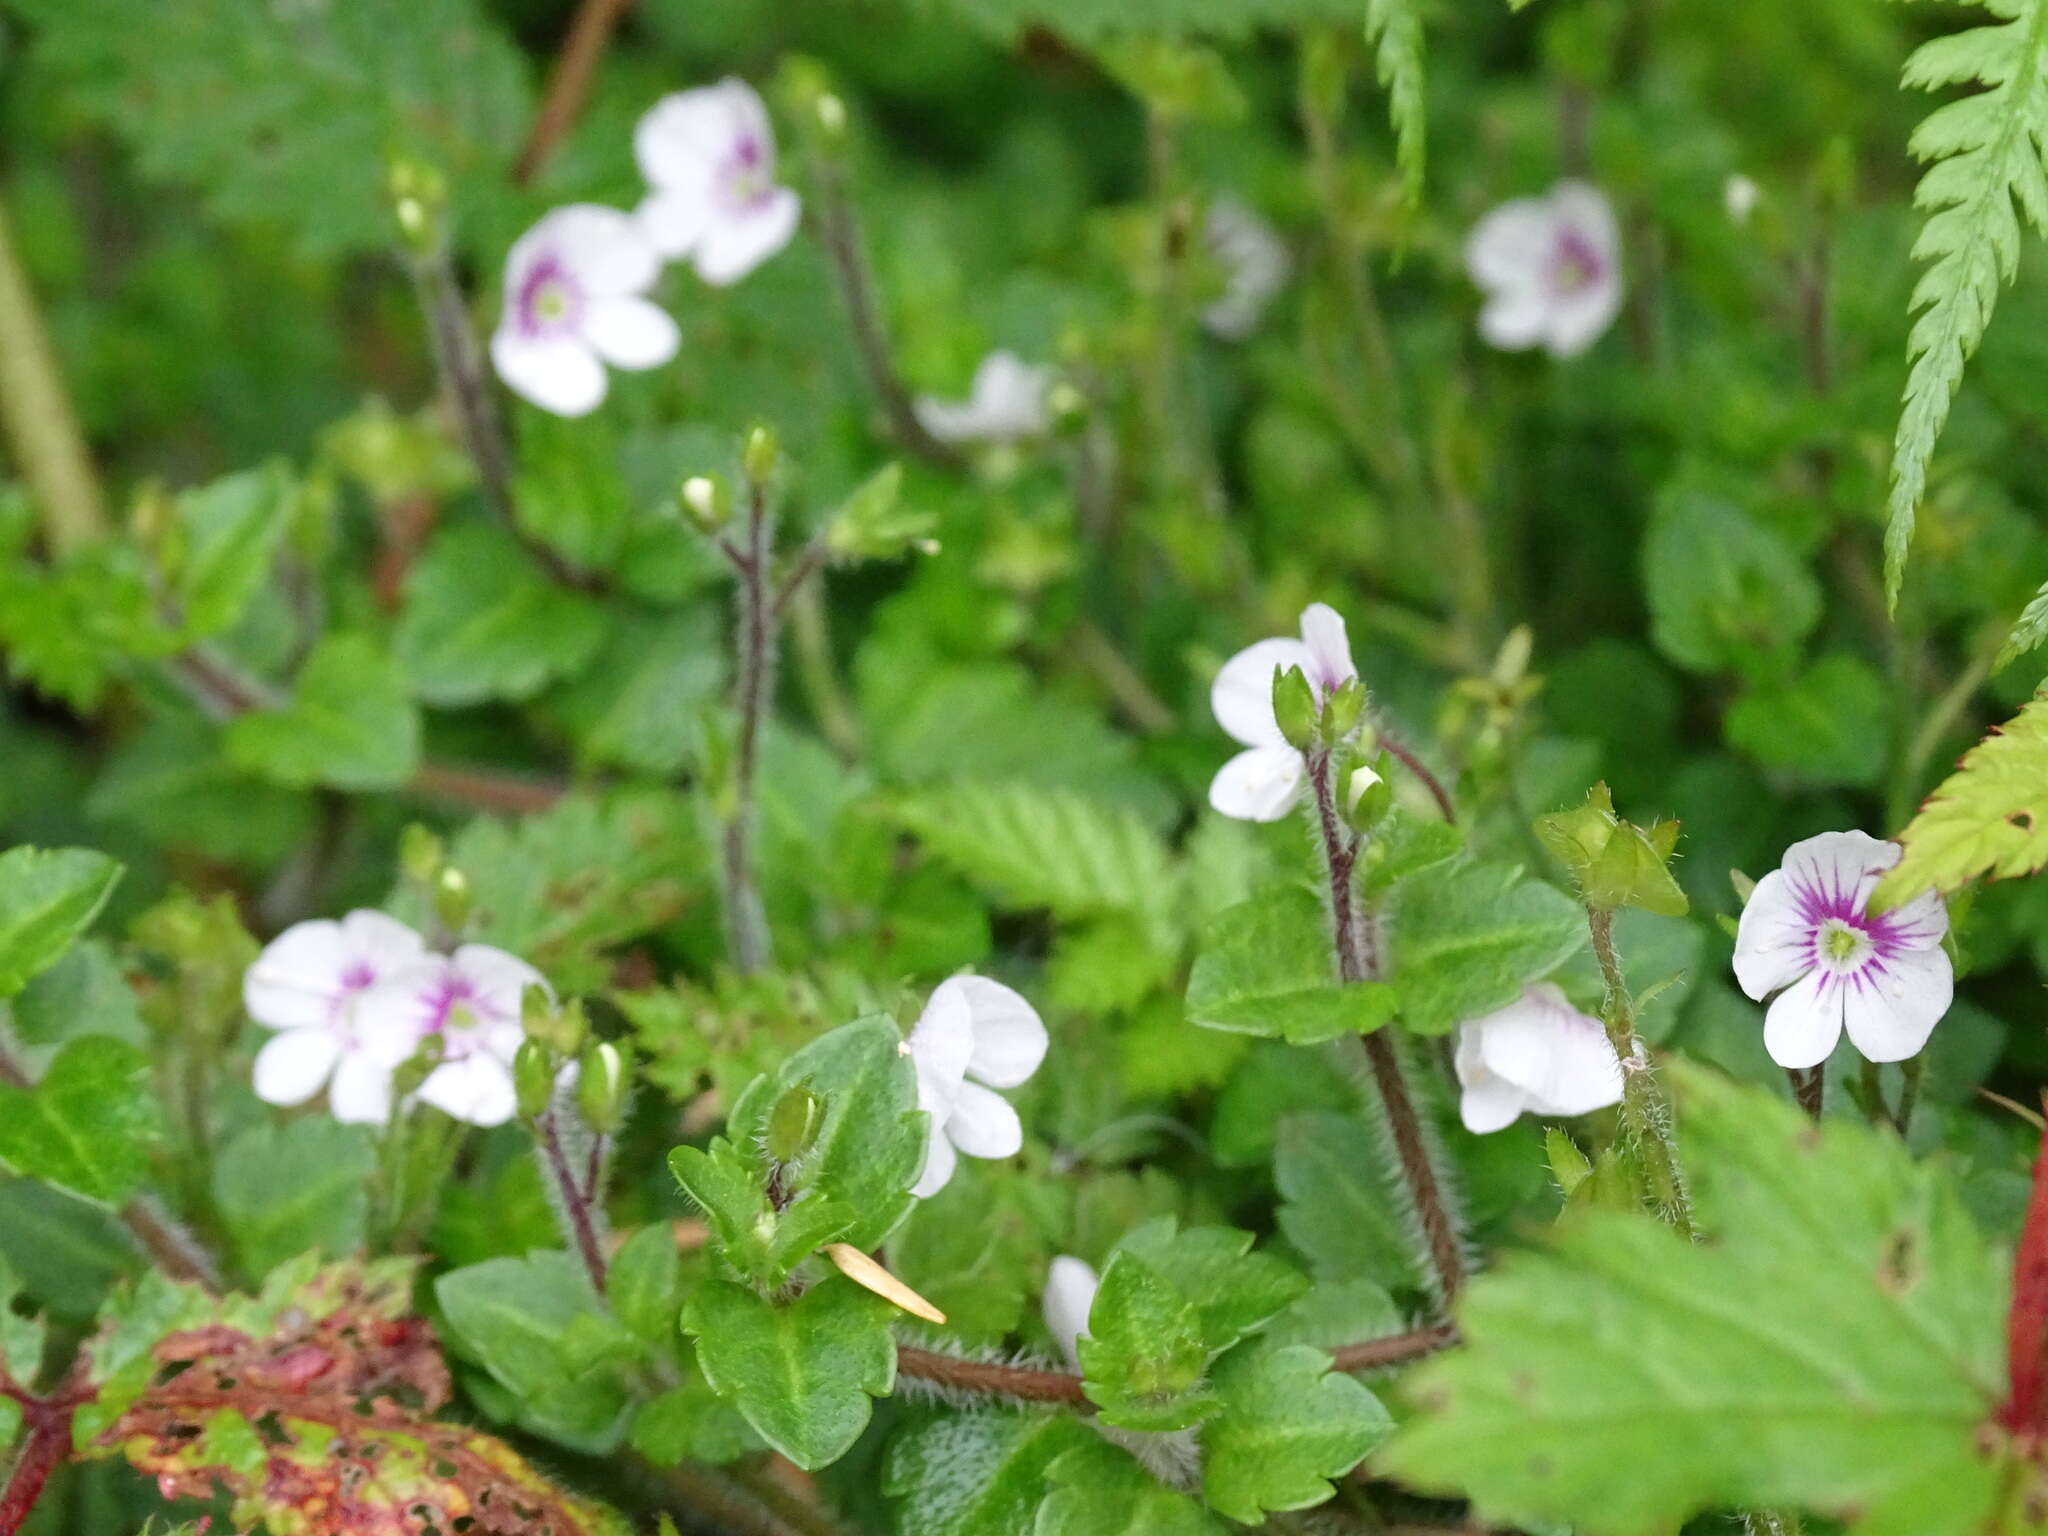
<point x="419" y="202"/>
<point x="562" y="1029"/>
<point x="706" y="502"/>
<point x="793" y="1124"/>
<point x="602" y="1086"/>
<point x="1294" y="707"/>
<point x="1615" y="863"/>
<point x="453" y="899"/>
<point x="759" y="456"/>
<point x="533" y="1077"/>
<point x="1344" y="709"/>
<point x="421" y="853"/>
<point x="1368" y="794"/>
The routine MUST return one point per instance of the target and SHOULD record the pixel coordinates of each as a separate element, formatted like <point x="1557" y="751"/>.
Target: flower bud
<point x="419" y="202"/>
<point x="533" y="1077"/>
<point x="421" y="853"/>
<point x="706" y="502"/>
<point x="453" y="899"/>
<point x="1343" y="709"/>
<point x="562" y="1029"/>
<point x="793" y="1123"/>
<point x="602" y="1086"/>
<point x="1294" y="707"/>
<point x="759" y="456"/>
<point x="830" y="112"/>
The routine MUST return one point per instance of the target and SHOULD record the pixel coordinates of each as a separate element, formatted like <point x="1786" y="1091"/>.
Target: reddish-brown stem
<point x="44" y="1448"/>
<point x="590" y="33"/>
<point x="578" y="1206"/>
<point x="1403" y="754"/>
<point x="484" y="790"/>
<point x="1395" y="1349"/>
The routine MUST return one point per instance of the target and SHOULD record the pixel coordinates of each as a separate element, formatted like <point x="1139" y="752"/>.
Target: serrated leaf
<point x="88" y="1125"/>
<point x="228" y="532"/>
<point x="1265" y="968"/>
<point x="48" y="897"/>
<point x="1144" y="1353"/>
<point x="1394" y="28"/>
<point x="1987" y="819"/>
<point x="1100" y="1490"/>
<point x="1337" y="1206"/>
<point x="1232" y="1288"/>
<point x="979" y="1474"/>
<point x="1288" y="1425"/>
<point x="482" y="621"/>
<point x="1984" y="154"/>
<point x="802" y="1374"/>
<point x="1839" y="1341"/>
<point x="348" y="724"/>
<point x="1465" y="938"/>
<point x="284" y="1190"/>
<point x="2028" y="631"/>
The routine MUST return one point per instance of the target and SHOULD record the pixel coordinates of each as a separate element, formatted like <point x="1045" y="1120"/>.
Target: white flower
<point x="1255" y="266"/>
<point x="974" y="1036"/>
<point x="1539" y="1055"/>
<point x="572" y="304"/>
<point x="1070" y="1287"/>
<point x="472" y="1000"/>
<point x="310" y="984"/>
<point x="1807" y="934"/>
<point x="1739" y="197"/>
<point x="709" y="155"/>
<point x="1551" y="268"/>
<point x="1262" y="782"/>
<point x="1005" y="402"/>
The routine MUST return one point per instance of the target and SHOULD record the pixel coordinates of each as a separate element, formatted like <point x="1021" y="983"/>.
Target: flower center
<point x="549" y="299"/>
<point x="748" y="178"/>
<point x="1575" y="265"/>
<point x="1841" y="945"/>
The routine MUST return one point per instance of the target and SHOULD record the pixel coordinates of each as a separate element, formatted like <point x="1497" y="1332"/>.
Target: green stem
<point x="815" y="670"/>
<point x="1911" y="1070"/>
<point x="746" y="924"/>
<point x="35" y="411"/>
<point x="1644" y="1110"/>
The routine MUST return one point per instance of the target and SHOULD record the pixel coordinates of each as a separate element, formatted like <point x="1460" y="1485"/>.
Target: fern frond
<point x="1987" y="819"/>
<point x="1984" y="159"/>
<point x="1394" y="28"/>
<point x="2029" y="631"/>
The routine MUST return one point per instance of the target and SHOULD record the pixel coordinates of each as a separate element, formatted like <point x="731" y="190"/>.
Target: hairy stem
<point x="45" y="1448"/>
<point x="1644" y="1110"/>
<point x="575" y="1203"/>
<point x="41" y="428"/>
<point x="1425" y="1186"/>
<point x="746" y="924"/>
<point x="583" y="49"/>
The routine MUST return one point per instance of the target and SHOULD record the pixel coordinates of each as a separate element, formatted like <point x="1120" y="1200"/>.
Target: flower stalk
<point x="577" y="1200"/>
<point x="746" y="923"/>
<point x="1645" y="1112"/>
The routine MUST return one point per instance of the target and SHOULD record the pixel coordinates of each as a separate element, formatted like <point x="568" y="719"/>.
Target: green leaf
<point x="1045" y="848"/>
<point x="1233" y="1289"/>
<point x="691" y="1423"/>
<point x="1144" y="1352"/>
<point x="983" y="1274"/>
<point x="1829" y="725"/>
<point x="645" y="1285"/>
<point x="802" y="1374"/>
<point x="84" y="993"/>
<point x="1394" y="28"/>
<point x="1265" y="968"/>
<point x="1984" y="154"/>
<point x="760" y="1242"/>
<point x="1088" y="19"/>
<point x="1288" y="1425"/>
<point x="1099" y="1489"/>
<point x="1988" y="818"/>
<point x="171" y="783"/>
<point x="1724" y="591"/>
<point x="227" y="534"/>
<point x="1837" y="1345"/>
<point x="1466" y="937"/>
<point x="1337" y="1206"/>
<point x="48" y="897"/>
<point x="639" y="703"/>
<point x="2028" y="631"/>
<point x="283" y="1190"/>
<point x="88" y="1125"/>
<point x="481" y="621"/>
<point x="979" y="1474"/>
<point x="348" y="723"/>
<point x="1403" y="845"/>
<point x="537" y="1327"/>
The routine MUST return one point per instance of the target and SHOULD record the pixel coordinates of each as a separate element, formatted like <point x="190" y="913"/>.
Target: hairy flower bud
<point x="1294" y="707"/>
<point x="602" y="1086"/>
<point x="533" y="1077"/>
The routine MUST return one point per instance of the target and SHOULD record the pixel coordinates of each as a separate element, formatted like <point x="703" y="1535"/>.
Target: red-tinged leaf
<point x="2026" y="1326"/>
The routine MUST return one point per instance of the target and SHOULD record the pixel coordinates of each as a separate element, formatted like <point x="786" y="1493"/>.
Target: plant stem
<point x="1809" y="1088"/>
<point x="830" y="707"/>
<point x="1399" y="750"/>
<point x="577" y="1205"/>
<point x="1909" y="1092"/>
<point x="746" y="924"/>
<point x="848" y="258"/>
<point x="1643" y="1108"/>
<point x="47" y="1446"/>
<point x="41" y="428"/>
<point x="1424" y="1186"/>
<point x="590" y="32"/>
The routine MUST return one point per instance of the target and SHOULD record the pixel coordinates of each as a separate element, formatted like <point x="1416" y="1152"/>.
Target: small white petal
<point x="1070" y="1287"/>
<point x="559" y="374"/>
<point x="1514" y="318"/>
<point x="362" y="1091"/>
<point x="732" y="246"/>
<point x="1843" y="868"/>
<point x="940" y="1047"/>
<point x="631" y="332"/>
<point x="1579" y="319"/>
<point x="1009" y="1037"/>
<point x="939" y="1162"/>
<point x="1512" y="244"/>
<point x="1920" y="924"/>
<point x="293" y="1065"/>
<point x="1329" y="647"/>
<point x="1803" y="1025"/>
<point x="1557" y="1057"/>
<point x="605" y="251"/>
<point x="675" y="217"/>
<point x="1772" y="940"/>
<point x="500" y="979"/>
<point x="1487" y="1104"/>
<point x="1259" y="784"/>
<point x="683" y="133"/>
<point x="476" y="1089"/>
<point x="1242" y="695"/>
<point x="1890" y="1015"/>
<point x="295" y="981"/>
<point x="1006" y="401"/>
<point x="983" y="1124"/>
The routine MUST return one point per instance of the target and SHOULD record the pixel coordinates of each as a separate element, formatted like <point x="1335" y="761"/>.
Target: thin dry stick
<point x="583" y="49"/>
<point x="41" y="427"/>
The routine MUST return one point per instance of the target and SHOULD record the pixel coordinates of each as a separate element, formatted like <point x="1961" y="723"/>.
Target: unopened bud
<point x="421" y="853"/>
<point x="453" y="899"/>
<point x="758" y="458"/>
<point x="831" y="115"/>
<point x="793" y="1124"/>
<point x="601" y="1086"/>
<point x="1344" y="708"/>
<point x="1294" y="707"/>
<point x="533" y="1077"/>
<point x="1367" y="796"/>
<point x="706" y="502"/>
<point x="419" y="199"/>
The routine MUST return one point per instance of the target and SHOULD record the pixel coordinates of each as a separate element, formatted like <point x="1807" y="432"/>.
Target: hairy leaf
<point x="48" y="897"/>
<point x="282" y="1190"/>
<point x="1265" y="968"/>
<point x="1988" y="818"/>
<point x="1466" y="937"/>
<point x="980" y="1474"/>
<point x="2028" y="631"/>
<point x="1289" y="1424"/>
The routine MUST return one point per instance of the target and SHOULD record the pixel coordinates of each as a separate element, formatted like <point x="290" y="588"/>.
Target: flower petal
<point x="1514" y="319"/>
<point x="983" y="1124"/>
<point x="1259" y="784"/>
<point x="296" y="980"/>
<point x="1008" y="1036"/>
<point x="1920" y="924"/>
<point x="686" y="133"/>
<point x="1557" y="1057"/>
<point x="1329" y="647"/>
<point x="1006" y="401"/>
<point x="606" y="250"/>
<point x="939" y="1047"/>
<point x="1070" y="1287"/>
<point x="732" y="246"/>
<point x="293" y="1065"/>
<point x="500" y="979"/>
<point x="361" y="1094"/>
<point x="558" y="373"/>
<point x="1242" y="695"/>
<point x="1577" y="320"/>
<point x="1835" y="872"/>
<point x="939" y="1162"/>
<point x="1803" y="1025"/>
<point x="1892" y="1006"/>
<point x="675" y="217"/>
<point x="1773" y="945"/>
<point x="1512" y="245"/>
<point x="476" y="1089"/>
<point x="631" y="332"/>
<point x="1489" y="1104"/>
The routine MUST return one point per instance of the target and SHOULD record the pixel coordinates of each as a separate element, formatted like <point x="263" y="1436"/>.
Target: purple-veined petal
<point x="294" y="1064"/>
<point x="1833" y="874"/>
<point x="1921" y="923"/>
<point x="983" y="1124"/>
<point x="498" y="979"/>
<point x="1892" y="1006"/>
<point x="1259" y="784"/>
<point x="557" y="373"/>
<point x="1802" y="1026"/>
<point x="1773" y="940"/>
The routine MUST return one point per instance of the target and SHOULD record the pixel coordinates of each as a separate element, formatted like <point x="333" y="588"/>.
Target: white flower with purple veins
<point x="709" y="155"/>
<point x="1263" y="781"/>
<point x="472" y="999"/>
<point x="1070" y="1287"/>
<point x="1809" y="936"/>
<point x="1539" y="1056"/>
<point x="310" y="985"/>
<point x="1551" y="268"/>
<point x="1255" y="265"/>
<point x="1005" y="402"/>
<point x="974" y="1036"/>
<point x="573" y="286"/>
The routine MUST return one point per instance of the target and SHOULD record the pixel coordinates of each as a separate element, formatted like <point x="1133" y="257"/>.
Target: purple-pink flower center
<point x="1841" y="937"/>
<point x="746" y="180"/>
<point x="549" y="301"/>
<point x="1576" y="263"/>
